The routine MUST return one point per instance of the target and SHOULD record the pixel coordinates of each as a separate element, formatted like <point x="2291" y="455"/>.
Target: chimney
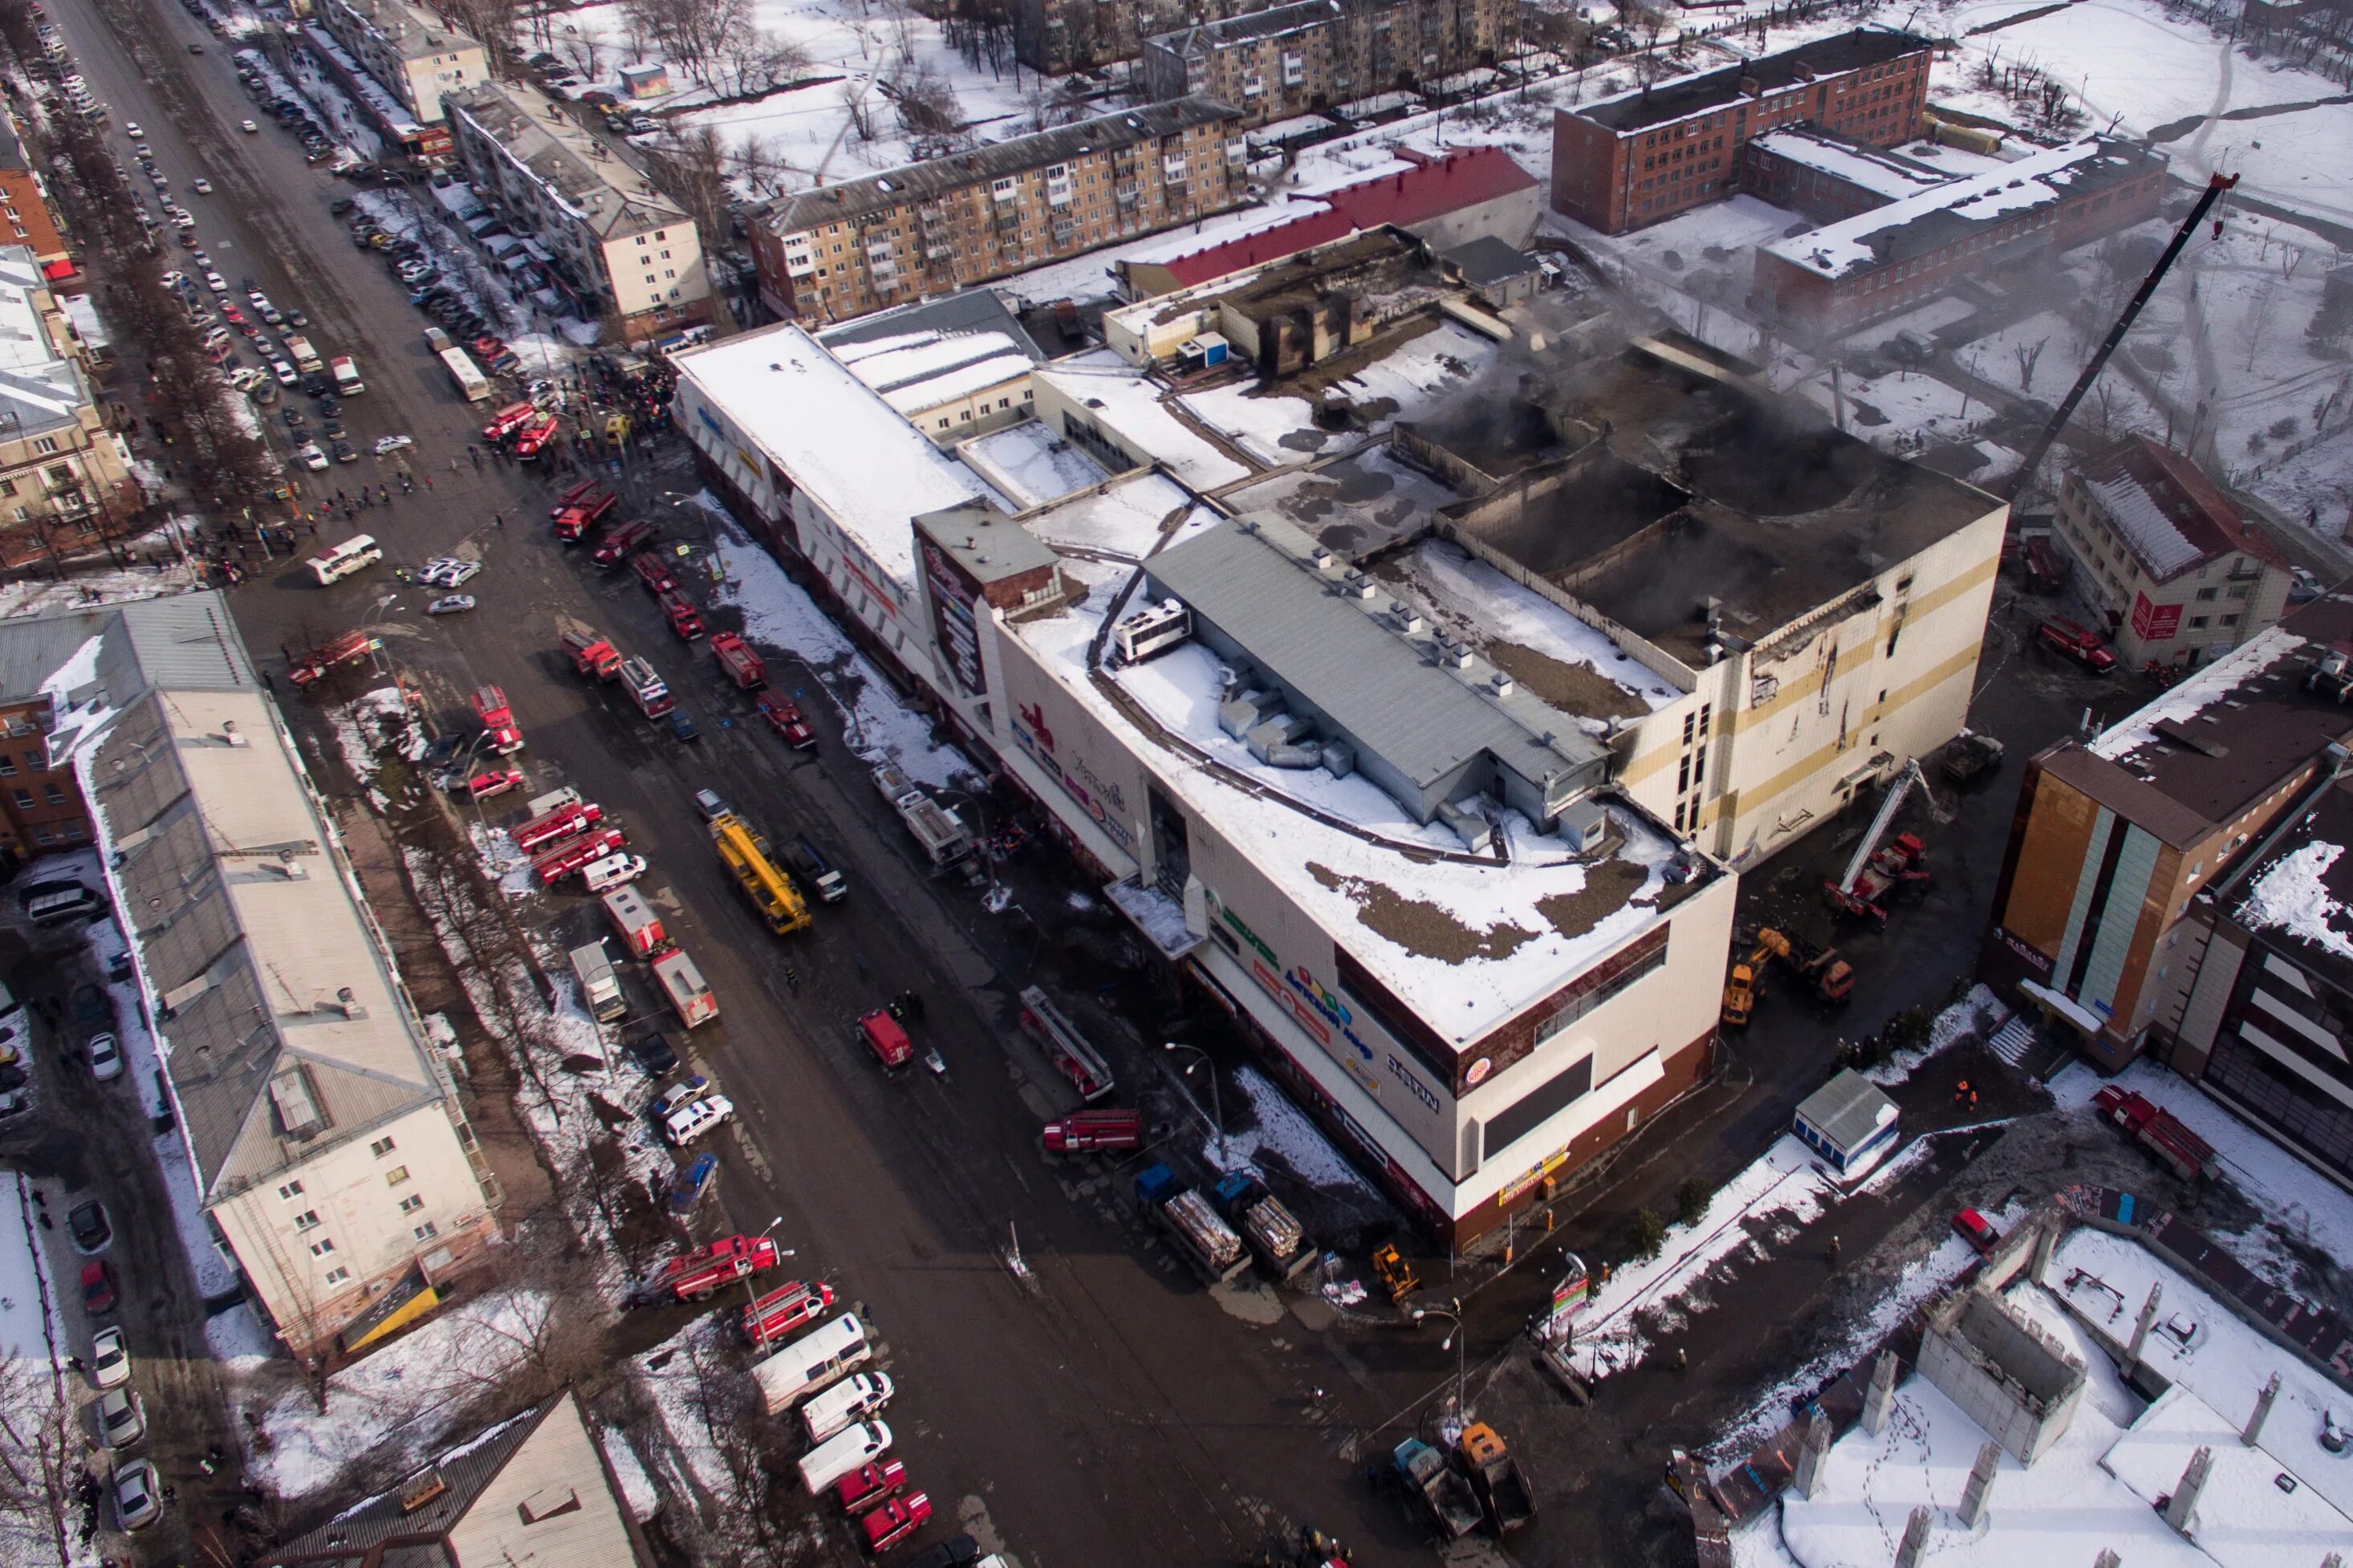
<point x="2140" y="1330"/>
<point x="229" y="735"/>
<point x="1813" y="1453"/>
<point x="348" y="1000"/>
<point x="1914" y="1544"/>
<point x="2255" y="1427"/>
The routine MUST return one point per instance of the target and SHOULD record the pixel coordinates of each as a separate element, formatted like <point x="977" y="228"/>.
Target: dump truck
<point x="682" y="983"/>
<point x="746" y="855"/>
<point x="348" y="648"/>
<point x="647" y="688"/>
<point x="1207" y="1241"/>
<point x="939" y="830"/>
<point x="2159" y="1131"/>
<point x="1072" y="1056"/>
<point x="1495" y="1477"/>
<point x="1447" y="1495"/>
<point x="743" y="664"/>
<point x="600" y="987"/>
<point x="592" y="655"/>
<point x="635" y="922"/>
<point x="1273" y="1234"/>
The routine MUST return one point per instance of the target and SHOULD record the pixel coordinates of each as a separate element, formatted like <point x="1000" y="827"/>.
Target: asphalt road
<point x="1107" y="1402"/>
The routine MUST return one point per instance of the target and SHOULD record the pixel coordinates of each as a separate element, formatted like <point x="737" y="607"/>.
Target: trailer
<point x="1064" y="1046"/>
<point x="1272" y="1232"/>
<point x="635" y="922"/>
<point x="600" y="987"/>
<point x="472" y="384"/>
<point x="743" y="664"/>
<point x="497" y="720"/>
<point x="647" y="689"/>
<point x="1447" y="1495"/>
<point x="2159" y="1131"/>
<point x="1207" y="1242"/>
<point x="939" y="830"/>
<point x="682" y="983"/>
<point x="592" y="655"/>
<point x="348" y="648"/>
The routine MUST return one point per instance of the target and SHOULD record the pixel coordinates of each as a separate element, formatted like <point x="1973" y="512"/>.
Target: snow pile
<point x="1980" y="1012"/>
<point x="637" y="1486"/>
<point x="237" y="1341"/>
<point x="1643" y="1299"/>
<point x="1283" y="1131"/>
<point x="2291" y="896"/>
<point x="779" y="611"/>
<point x="697" y="1385"/>
<point x="401" y="1399"/>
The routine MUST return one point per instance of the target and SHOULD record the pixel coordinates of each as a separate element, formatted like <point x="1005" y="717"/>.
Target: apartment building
<point x="65" y="477"/>
<point x="2115" y="838"/>
<point x="839" y="251"/>
<point x="2172" y="568"/>
<point x="1293" y="59"/>
<point x="326" y="1140"/>
<point x="41" y="805"/>
<point x="1631" y="160"/>
<point x="1828" y="177"/>
<point x="409" y="52"/>
<point x="1058" y="35"/>
<point x="625" y="249"/>
<point x="2012" y="218"/>
<point x="24" y="215"/>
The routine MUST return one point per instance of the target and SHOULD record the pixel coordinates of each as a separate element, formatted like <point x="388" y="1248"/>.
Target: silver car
<point x="138" y="1502"/>
<point x="121" y="1419"/>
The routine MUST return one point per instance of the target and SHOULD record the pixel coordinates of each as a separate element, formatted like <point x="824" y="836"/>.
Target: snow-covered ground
<point x="401" y="1399"/>
<point x="1281" y="1129"/>
<point x="35" y="596"/>
<point x="780" y="614"/>
<point x="37" y="1419"/>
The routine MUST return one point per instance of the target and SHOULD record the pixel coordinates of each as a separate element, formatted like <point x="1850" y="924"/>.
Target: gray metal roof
<point x="1257" y="581"/>
<point x="926" y="181"/>
<point x="1847" y="1109"/>
<point x="185" y="641"/>
<point x="1486" y="260"/>
<point x="966" y="311"/>
<point x="1273" y="22"/>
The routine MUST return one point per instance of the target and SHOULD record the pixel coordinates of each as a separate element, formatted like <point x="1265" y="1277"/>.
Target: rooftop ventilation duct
<point x="1475" y="831"/>
<point x="1240" y="713"/>
<point x="1283" y="740"/>
<point x="347" y="1001"/>
<point x="1409" y="619"/>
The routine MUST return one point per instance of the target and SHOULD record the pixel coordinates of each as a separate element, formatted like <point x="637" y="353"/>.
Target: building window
<point x="57" y="797"/>
<point x="380" y="1148"/>
<point x="337" y="1276"/>
<point x="323" y="1246"/>
<point x="412" y="1203"/>
<point x="428" y="1231"/>
<point x="2196" y="621"/>
<point x="307" y="1220"/>
<point x="290" y="1190"/>
<point x="24" y="799"/>
<point x="396" y="1176"/>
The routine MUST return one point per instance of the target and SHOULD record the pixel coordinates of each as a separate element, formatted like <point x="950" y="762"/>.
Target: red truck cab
<point x="864" y="1488"/>
<point x="620" y="542"/>
<point x="577" y="519"/>
<point x="684" y="618"/>
<point x="895" y="1520"/>
<point x="653" y="572"/>
<point x="785" y="1310"/>
<point x="1088" y="1131"/>
<point x="592" y="655"/>
<point x="497" y="720"/>
<point x="2074" y="641"/>
<point x="508" y="420"/>
<point x="784" y="716"/>
<point x="535" y="434"/>
<point x="742" y="662"/>
<point x="882" y="1034"/>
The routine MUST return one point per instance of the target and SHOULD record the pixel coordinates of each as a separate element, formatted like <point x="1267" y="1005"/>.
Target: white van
<point x="822" y="1355"/>
<point x="360" y="550"/>
<point x="844" y="1452"/>
<point x="540" y="806"/>
<point x="852" y="1399"/>
<point x="613" y="872"/>
<point x="76" y="902"/>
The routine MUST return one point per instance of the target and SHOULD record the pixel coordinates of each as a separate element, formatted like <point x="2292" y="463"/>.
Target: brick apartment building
<point x="1059" y="36"/>
<point x="2169" y="565"/>
<point x="24" y="215"/>
<point x="1296" y="58"/>
<point x="1826" y="177"/>
<point x="1884" y="262"/>
<point x="839" y="251"/>
<point x="1630" y="161"/>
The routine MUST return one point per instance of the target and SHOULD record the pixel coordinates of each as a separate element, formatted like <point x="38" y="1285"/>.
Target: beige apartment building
<point x="624" y="248"/>
<point x="1296" y="58"/>
<point x="410" y="52"/>
<point x="64" y="476"/>
<point x="325" y="1136"/>
<point x="839" y="251"/>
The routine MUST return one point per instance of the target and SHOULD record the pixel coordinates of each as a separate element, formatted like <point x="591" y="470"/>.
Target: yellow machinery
<point x="771" y="891"/>
<point x="1394" y="1272"/>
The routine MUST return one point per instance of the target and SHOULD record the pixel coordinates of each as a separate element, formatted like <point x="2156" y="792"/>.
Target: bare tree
<point x="2027" y="356"/>
<point x="38" y="1445"/>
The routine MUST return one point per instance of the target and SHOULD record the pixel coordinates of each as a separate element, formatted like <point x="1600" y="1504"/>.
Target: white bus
<point x="360" y="550"/>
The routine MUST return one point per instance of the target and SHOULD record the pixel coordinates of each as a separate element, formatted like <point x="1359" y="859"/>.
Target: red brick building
<point x="1630" y="161"/>
<point x="1879" y="263"/>
<point x="24" y="215"/>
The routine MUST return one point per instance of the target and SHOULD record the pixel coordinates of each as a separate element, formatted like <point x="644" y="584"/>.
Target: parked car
<point x="692" y="1121"/>
<point x="137" y="1501"/>
<point x="109" y="1361"/>
<point x="97" y="1289"/>
<point x="495" y="782"/>
<point x="1977" y="1230"/>
<point x="392" y="444"/>
<point x="121" y="1419"/>
<point x="453" y="604"/>
<point x="87" y="1226"/>
<point x="682" y="725"/>
<point x="447" y="572"/>
<point x="105" y="1057"/>
<point x="203" y="187"/>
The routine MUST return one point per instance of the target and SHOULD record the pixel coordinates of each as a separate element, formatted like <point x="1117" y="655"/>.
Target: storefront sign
<point x="1029" y="729"/>
<point x="953" y="594"/>
<point x="1533" y="1174"/>
<point x="2155" y="623"/>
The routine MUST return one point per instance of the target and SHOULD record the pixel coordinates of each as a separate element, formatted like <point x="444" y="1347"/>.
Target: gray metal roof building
<point x="1846" y="1119"/>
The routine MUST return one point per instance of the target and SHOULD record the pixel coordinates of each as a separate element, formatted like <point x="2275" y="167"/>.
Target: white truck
<point x="795" y="1371"/>
<point x="306" y="358"/>
<point x="842" y="1453"/>
<point x="938" y="829"/>
<point x="688" y="992"/>
<point x="854" y="1398"/>
<point x="347" y="377"/>
<point x="600" y="987"/>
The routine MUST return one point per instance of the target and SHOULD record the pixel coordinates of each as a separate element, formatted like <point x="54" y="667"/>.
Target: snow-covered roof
<point x="836" y="437"/>
<point x="2170" y="515"/>
<point x="40" y="389"/>
<point x="924" y="369"/>
<point x="2219" y="685"/>
<point x="578" y="173"/>
<point x="2299" y="893"/>
<point x="1936" y="217"/>
<point x="1874" y="169"/>
<point x="1116" y="396"/>
<point x="1642" y="107"/>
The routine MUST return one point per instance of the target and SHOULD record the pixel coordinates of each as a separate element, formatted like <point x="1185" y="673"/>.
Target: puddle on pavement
<point x="1251" y="1301"/>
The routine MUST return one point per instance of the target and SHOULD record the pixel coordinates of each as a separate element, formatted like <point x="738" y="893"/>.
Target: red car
<point x="896" y="1519"/>
<point x="494" y="782"/>
<point x="784" y="716"/>
<point x="97" y="1289"/>
<point x="1977" y="1230"/>
<point x="862" y="1488"/>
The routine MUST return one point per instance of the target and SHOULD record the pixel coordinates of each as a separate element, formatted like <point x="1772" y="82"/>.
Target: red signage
<point x="2155" y="623"/>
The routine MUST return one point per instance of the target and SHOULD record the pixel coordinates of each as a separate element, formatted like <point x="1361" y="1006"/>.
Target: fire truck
<point x="635" y="921"/>
<point x="571" y="521"/>
<point x="592" y="655"/>
<point x="509" y="420"/>
<point x="647" y="688"/>
<point x="706" y="1269"/>
<point x="744" y="667"/>
<point x="620" y="542"/>
<point x="684" y="618"/>
<point x="549" y="828"/>
<point x="535" y="434"/>
<point x="653" y="572"/>
<point x="572" y="854"/>
<point x="348" y="648"/>
<point x="785" y="1310"/>
<point x="497" y="720"/>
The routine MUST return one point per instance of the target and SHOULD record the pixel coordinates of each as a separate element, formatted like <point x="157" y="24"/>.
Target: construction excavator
<point x="1831" y="977"/>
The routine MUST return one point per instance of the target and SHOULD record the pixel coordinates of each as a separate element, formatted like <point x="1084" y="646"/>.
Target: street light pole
<point x="1455" y="1339"/>
<point x="1217" y="1107"/>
